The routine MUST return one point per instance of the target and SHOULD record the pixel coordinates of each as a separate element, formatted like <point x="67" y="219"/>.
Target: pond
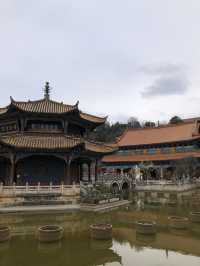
<point x="167" y="248"/>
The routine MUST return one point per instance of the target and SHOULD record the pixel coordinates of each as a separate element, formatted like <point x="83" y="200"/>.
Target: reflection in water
<point x="167" y="247"/>
<point x="145" y="239"/>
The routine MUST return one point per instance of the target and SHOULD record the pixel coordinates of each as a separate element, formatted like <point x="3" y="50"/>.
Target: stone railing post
<point x="14" y="188"/>
<point x="62" y="187"/>
<point x="50" y="186"/>
<point x="74" y="187"/>
<point x="38" y="187"/>
<point x="1" y="187"/>
<point x="27" y="187"/>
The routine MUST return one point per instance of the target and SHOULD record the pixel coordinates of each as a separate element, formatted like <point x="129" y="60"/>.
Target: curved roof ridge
<point x="98" y="142"/>
<point x="93" y="118"/>
<point x="42" y="100"/>
<point x="43" y="106"/>
<point x="103" y="117"/>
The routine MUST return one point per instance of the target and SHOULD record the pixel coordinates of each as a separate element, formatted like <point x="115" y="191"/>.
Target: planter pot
<point x="4" y="233"/>
<point x="178" y="222"/>
<point x="195" y="217"/>
<point x="50" y="233"/>
<point x="101" y="231"/>
<point x="146" y="227"/>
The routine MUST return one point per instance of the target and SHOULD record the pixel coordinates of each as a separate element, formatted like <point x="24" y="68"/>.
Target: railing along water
<point x="39" y="189"/>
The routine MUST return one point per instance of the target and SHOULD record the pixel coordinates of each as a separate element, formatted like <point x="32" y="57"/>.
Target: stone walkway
<point x="104" y="207"/>
<point x="63" y="208"/>
<point x="40" y="209"/>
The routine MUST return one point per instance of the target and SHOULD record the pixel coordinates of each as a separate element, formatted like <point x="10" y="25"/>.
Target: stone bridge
<point x="118" y="183"/>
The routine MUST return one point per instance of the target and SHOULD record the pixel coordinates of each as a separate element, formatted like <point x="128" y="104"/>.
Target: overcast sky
<point x="119" y="58"/>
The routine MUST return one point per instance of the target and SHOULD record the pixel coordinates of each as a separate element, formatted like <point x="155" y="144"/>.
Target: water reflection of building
<point x="156" y="151"/>
<point x="185" y="243"/>
<point x="73" y="250"/>
<point x="46" y="141"/>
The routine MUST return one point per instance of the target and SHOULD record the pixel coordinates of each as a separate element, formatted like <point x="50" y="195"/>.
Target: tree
<point x="175" y="120"/>
<point x="108" y="132"/>
<point x="187" y="167"/>
<point x="133" y="122"/>
<point x="149" y="124"/>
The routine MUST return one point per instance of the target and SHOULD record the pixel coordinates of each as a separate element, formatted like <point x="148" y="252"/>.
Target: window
<point x="180" y="148"/>
<point x="139" y="151"/>
<point x="166" y="150"/>
<point x="152" y="151"/>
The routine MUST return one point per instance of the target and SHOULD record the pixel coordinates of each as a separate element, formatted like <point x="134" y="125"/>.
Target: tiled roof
<point x="52" y="107"/>
<point x="162" y="134"/>
<point x="191" y="119"/>
<point x="98" y="147"/>
<point x="43" y="106"/>
<point x="3" y="110"/>
<point x="52" y="142"/>
<point x="40" y="142"/>
<point x="92" y="118"/>
<point x="142" y="158"/>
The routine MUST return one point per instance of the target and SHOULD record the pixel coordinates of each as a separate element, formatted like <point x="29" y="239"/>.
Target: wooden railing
<point x="38" y="189"/>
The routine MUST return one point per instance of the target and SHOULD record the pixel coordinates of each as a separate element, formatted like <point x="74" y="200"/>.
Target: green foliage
<point x="175" y="120"/>
<point x="108" y="132"/>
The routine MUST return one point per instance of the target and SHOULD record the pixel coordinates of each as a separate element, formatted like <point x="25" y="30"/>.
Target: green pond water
<point x="167" y="248"/>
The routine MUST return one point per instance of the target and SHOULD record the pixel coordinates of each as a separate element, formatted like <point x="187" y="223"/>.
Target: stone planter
<point x="50" y="233"/>
<point x="195" y="217"/>
<point x="177" y="222"/>
<point x="146" y="227"/>
<point x="101" y="231"/>
<point x="4" y="233"/>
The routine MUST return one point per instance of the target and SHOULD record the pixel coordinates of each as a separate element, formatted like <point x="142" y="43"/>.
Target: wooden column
<point x="96" y="170"/>
<point x="22" y="121"/>
<point x="68" y="180"/>
<point x="161" y="173"/>
<point x="12" y="169"/>
<point x="80" y="172"/>
<point x="89" y="171"/>
<point x="65" y="127"/>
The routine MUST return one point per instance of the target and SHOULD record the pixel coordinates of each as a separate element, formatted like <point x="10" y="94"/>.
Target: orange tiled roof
<point x="147" y="157"/>
<point x="44" y="106"/>
<point x="162" y="134"/>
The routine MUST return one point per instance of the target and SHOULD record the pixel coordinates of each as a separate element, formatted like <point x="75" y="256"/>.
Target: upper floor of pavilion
<point x="46" y="115"/>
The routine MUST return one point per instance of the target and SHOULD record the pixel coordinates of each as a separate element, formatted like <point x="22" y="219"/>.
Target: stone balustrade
<point x="65" y="190"/>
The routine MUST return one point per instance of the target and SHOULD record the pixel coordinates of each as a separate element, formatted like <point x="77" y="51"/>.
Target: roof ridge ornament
<point x="47" y="90"/>
<point x="11" y="99"/>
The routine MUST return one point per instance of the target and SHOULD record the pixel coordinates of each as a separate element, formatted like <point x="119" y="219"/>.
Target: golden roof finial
<point x="47" y="90"/>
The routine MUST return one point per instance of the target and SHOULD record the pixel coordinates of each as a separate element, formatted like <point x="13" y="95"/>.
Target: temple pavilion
<point x="46" y="141"/>
<point x="155" y="152"/>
